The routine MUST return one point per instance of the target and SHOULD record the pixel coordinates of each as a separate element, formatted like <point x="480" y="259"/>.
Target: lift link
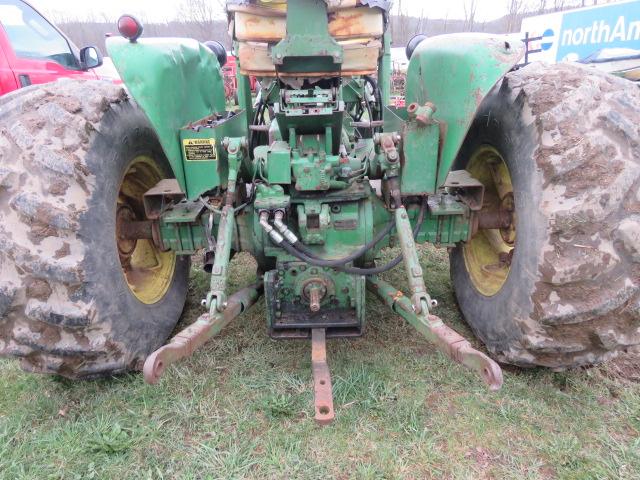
<point x="197" y="334"/>
<point x="419" y="296"/>
<point x="434" y="330"/>
<point x="416" y="310"/>
<point x="221" y="310"/>
<point x="216" y="298"/>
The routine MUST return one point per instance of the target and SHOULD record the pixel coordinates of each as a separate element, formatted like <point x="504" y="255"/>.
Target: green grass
<point x="242" y="408"/>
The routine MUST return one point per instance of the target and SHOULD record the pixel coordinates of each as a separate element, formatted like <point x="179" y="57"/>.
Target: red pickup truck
<point x="32" y="50"/>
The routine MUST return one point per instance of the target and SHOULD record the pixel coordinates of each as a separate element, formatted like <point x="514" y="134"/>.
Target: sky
<point x="163" y="10"/>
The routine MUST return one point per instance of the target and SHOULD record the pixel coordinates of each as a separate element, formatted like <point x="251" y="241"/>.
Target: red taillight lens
<point x="129" y="27"/>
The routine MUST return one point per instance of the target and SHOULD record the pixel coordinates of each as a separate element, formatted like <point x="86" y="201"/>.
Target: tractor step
<point x="322" y="389"/>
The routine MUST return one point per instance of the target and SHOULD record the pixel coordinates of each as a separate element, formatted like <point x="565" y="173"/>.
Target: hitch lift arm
<point x="416" y="311"/>
<point x="222" y="310"/>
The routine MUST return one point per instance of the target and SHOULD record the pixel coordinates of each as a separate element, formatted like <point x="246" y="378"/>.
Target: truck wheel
<point x="75" y="300"/>
<point x="560" y="147"/>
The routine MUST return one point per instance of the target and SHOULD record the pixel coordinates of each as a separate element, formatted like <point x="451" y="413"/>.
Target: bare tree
<point x="470" y="7"/>
<point x="515" y="11"/>
<point x="402" y="21"/>
<point x="542" y="6"/>
<point x="559" y="5"/>
<point x="423" y="22"/>
<point x="202" y="14"/>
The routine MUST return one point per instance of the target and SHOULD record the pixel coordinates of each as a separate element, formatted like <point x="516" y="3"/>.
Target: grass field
<point x="242" y="408"/>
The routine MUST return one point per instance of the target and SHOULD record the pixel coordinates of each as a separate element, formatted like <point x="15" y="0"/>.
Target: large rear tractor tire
<point x="559" y="146"/>
<point x="75" y="300"/>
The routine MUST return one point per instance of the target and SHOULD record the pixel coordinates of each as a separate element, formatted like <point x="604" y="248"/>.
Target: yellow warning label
<point x="199" y="149"/>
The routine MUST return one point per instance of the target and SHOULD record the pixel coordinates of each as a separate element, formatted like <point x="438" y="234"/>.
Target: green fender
<point x="175" y="82"/>
<point x="455" y="72"/>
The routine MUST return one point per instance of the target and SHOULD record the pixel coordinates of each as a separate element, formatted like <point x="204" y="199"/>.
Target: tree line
<point x="202" y="20"/>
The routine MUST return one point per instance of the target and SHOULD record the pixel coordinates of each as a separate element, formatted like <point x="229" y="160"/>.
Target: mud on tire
<point x="65" y="307"/>
<point x="570" y="137"/>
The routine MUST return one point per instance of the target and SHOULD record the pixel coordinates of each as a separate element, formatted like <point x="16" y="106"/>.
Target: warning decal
<point x="199" y="149"/>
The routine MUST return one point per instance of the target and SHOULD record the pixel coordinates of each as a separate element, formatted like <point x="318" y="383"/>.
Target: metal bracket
<point x="322" y="389"/>
<point x="469" y="190"/>
<point x="165" y="193"/>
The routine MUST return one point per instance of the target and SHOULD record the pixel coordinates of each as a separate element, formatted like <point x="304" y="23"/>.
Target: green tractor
<point x="530" y="177"/>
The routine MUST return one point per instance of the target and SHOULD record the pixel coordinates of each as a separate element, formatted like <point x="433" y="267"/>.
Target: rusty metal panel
<point x="356" y="23"/>
<point x="322" y="388"/>
<point x="279" y="7"/>
<point x="360" y="58"/>
<point x="257" y="25"/>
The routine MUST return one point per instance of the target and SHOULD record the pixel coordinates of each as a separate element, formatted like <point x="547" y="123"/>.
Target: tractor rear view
<point x="530" y="177"/>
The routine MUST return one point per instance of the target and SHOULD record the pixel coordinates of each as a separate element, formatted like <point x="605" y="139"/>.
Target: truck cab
<point x="33" y="50"/>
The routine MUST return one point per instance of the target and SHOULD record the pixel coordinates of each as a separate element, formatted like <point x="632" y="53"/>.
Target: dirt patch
<point x="626" y="367"/>
<point x="38" y="289"/>
<point x="58" y="188"/>
<point x="482" y="457"/>
<point x="64" y="251"/>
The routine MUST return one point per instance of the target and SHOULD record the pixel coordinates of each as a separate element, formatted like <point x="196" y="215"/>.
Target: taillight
<point x="130" y="28"/>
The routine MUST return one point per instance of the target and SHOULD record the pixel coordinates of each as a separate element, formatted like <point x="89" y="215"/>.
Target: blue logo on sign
<point x="547" y="39"/>
<point x="585" y="32"/>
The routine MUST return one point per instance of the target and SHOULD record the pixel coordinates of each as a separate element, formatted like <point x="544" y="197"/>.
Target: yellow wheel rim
<point x="488" y="255"/>
<point x="146" y="269"/>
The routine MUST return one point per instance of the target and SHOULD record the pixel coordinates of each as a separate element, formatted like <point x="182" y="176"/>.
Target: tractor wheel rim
<point x="488" y="254"/>
<point x="147" y="270"/>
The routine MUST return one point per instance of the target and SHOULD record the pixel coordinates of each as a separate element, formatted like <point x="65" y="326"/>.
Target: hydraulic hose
<point x="321" y="262"/>
<point x="396" y="261"/>
<point x="311" y="260"/>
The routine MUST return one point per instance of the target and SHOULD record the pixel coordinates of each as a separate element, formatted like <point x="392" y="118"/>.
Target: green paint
<point x="174" y="81"/>
<point x="183" y="228"/>
<point x="420" y="152"/>
<point x="217" y="296"/>
<point x="313" y="221"/>
<point x="455" y="72"/>
<point x="206" y="172"/>
<point x="308" y="47"/>
<point x="287" y="303"/>
<point x="313" y="172"/>
<point x="384" y="67"/>
<point x="245" y="102"/>
<point x="278" y="160"/>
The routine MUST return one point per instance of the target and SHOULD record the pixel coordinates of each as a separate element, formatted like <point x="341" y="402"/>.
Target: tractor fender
<point x="175" y="81"/>
<point x="455" y="73"/>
